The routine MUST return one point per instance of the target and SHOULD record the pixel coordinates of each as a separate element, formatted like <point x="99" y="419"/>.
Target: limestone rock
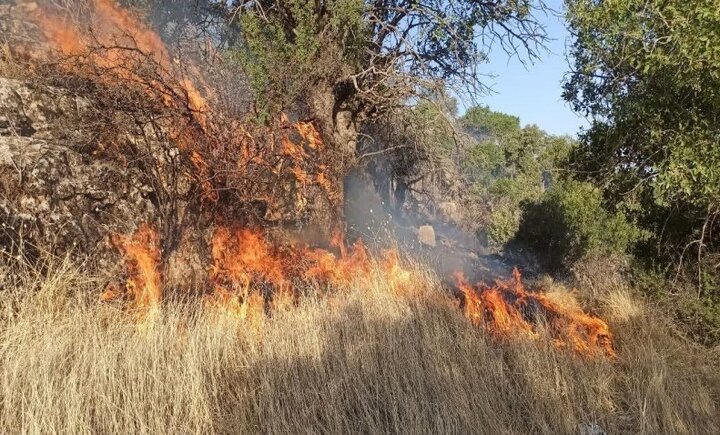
<point x="53" y="195"/>
<point x="426" y="235"/>
<point x="51" y="198"/>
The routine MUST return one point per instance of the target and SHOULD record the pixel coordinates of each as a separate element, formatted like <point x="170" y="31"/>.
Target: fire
<point x="202" y="174"/>
<point x="509" y="310"/>
<point x="251" y="276"/>
<point x="399" y="278"/>
<point x="328" y="268"/>
<point x="249" y="307"/>
<point x="118" y="44"/>
<point x="220" y="153"/>
<point x="142" y="259"/>
<point x="245" y="265"/>
<point x="310" y="134"/>
<point x="241" y="257"/>
<point x="243" y="262"/>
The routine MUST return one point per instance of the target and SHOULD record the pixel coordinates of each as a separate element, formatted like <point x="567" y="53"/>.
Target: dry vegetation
<point x="364" y="360"/>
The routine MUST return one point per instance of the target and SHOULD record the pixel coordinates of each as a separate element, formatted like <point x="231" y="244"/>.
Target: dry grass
<point x="365" y="361"/>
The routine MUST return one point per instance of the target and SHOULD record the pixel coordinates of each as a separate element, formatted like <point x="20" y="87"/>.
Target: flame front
<point x="508" y="310"/>
<point x="251" y="276"/>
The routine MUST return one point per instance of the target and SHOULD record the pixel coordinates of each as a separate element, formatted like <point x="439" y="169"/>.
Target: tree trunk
<point x="340" y="131"/>
<point x="338" y="123"/>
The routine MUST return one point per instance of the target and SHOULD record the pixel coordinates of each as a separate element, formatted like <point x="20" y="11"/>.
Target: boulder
<point x="426" y="235"/>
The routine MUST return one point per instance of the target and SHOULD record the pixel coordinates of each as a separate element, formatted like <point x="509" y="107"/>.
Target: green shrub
<point x="570" y="222"/>
<point x="696" y="312"/>
<point x="504" y="223"/>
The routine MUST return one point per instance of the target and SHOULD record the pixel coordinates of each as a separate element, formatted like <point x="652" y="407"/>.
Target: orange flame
<point x="142" y="259"/>
<point x="251" y="277"/>
<point x="508" y="309"/>
<point x="241" y="257"/>
<point x="244" y="263"/>
<point x="328" y="268"/>
<point x="399" y="278"/>
<point x="118" y="43"/>
<point x="310" y="134"/>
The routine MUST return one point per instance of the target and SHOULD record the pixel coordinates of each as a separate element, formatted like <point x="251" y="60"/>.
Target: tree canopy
<point x="648" y="72"/>
<point x="373" y="55"/>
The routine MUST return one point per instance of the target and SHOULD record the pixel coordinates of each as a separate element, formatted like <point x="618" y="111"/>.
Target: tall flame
<point x="119" y="44"/>
<point x="142" y="258"/>
<point x="241" y="257"/>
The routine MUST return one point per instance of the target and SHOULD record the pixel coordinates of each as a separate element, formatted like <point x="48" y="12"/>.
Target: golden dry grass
<point x="365" y="360"/>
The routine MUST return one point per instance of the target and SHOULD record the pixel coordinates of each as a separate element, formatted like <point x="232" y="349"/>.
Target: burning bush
<point x="149" y="112"/>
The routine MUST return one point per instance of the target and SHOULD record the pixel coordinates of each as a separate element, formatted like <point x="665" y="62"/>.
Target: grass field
<point x="365" y="359"/>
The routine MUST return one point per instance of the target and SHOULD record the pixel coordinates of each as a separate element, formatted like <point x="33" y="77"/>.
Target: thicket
<point x="648" y="74"/>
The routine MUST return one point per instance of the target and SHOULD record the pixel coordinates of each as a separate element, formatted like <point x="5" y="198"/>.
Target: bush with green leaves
<point x="506" y="165"/>
<point x="504" y="223"/>
<point x="569" y="222"/>
<point x="648" y="72"/>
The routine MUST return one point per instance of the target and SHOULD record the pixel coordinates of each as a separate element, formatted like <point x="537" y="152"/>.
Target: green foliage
<point x="506" y="166"/>
<point x="480" y="120"/>
<point x="570" y="222"/>
<point x="368" y="57"/>
<point x="697" y="317"/>
<point x="285" y="62"/>
<point x="503" y="223"/>
<point x="702" y="319"/>
<point x="436" y="117"/>
<point x="650" y="72"/>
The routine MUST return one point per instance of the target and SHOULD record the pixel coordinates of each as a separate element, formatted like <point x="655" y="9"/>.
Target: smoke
<point x="375" y="213"/>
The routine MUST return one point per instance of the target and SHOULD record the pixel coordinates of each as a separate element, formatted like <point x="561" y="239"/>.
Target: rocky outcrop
<point x="53" y="194"/>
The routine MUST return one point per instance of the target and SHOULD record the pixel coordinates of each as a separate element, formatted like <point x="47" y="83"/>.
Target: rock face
<point x="53" y="194"/>
<point x="33" y="111"/>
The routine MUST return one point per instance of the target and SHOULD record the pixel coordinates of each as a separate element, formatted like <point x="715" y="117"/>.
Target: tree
<point x="505" y="166"/>
<point x="569" y="223"/>
<point x="351" y="61"/>
<point x="648" y="72"/>
<point x="483" y="122"/>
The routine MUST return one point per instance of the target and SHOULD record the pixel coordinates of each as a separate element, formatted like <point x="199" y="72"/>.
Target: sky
<point x="533" y="91"/>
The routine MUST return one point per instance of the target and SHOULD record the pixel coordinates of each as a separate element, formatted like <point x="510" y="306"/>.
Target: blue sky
<point x="533" y="91"/>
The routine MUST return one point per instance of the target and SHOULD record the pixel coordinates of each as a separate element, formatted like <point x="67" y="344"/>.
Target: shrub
<point x="570" y="222"/>
<point x="504" y="223"/>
